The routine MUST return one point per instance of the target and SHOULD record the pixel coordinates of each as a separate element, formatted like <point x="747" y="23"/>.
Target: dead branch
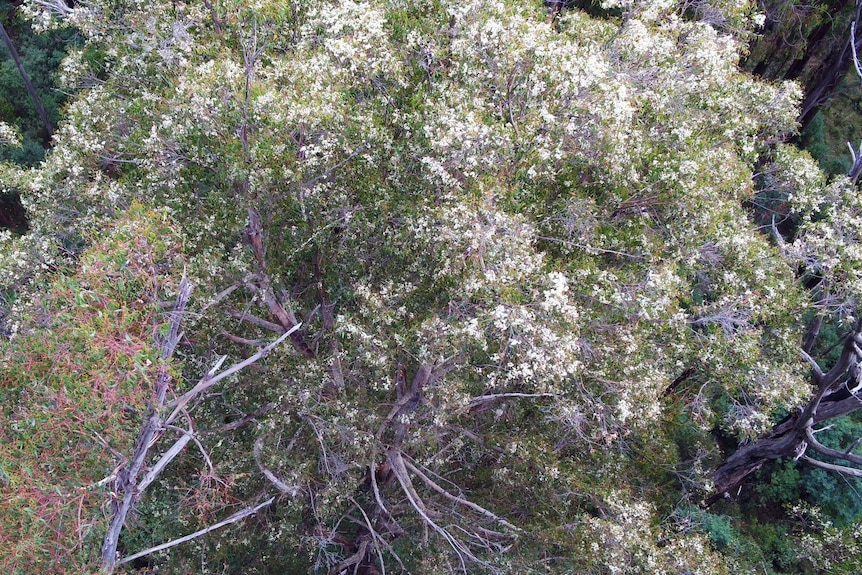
<point x="254" y="232"/>
<point x="236" y="517"/>
<point x="210" y="379"/>
<point x="246" y="419"/>
<point x="817" y="446"/>
<point x="400" y="470"/>
<point x="242" y="340"/>
<point x="816" y="372"/>
<point x="792" y="436"/>
<point x="292" y="490"/>
<point x="830" y="467"/>
<point x="409" y="399"/>
<point x="378" y="538"/>
<point x="127" y="477"/>
<point x="363" y="546"/>
<point x="214" y="17"/>
<point x="127" y="482"/>
<point x="163" y="461"/>
<point x="354" y="559"/>
<point x="245" y="316"/>
<point x="460" y="500"/>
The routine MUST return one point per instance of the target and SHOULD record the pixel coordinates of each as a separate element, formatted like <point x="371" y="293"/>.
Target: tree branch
<point x="292" y="490"/>
<point x="127" y="478"/>
<point x="28" y="85"/>
<point x="236" y="517"/>
<point x="245" y="316"/>
<point x="465" y="502"/>
<point x="817" y="446"/>
<point x="830" y="467"/>
<point x="210" y="380"/>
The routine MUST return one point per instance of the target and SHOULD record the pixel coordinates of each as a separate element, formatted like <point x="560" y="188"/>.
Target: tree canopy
<point x="423" y="286"/>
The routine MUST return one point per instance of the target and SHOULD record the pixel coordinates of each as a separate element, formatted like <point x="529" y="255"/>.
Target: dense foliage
<point x="520" y="257"/>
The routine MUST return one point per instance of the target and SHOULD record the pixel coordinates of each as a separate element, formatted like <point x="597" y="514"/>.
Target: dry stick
<point x="292" y="490"/>
<point x="154" y="426"/>
<point x="242" y="340"/>
<point x="238" y="516"/>
<point x="40" y="109"/>
<point x="208" y="381"/>
<point x="191" y="433"/>
<point x="254" y="231"/>
<point x="220" y="296"/>
<point x="57" y="7"/>
<point x="214" y="17"/>
<point x="466" y="503"/>
<point x="354" y="559"/>
<point x="374" y="534"/>
<point x="244" y="420"/>
<point x="379" y="537"/>
<point x="163" y="462"/>
<point x="817" y="446"/>
<point x="374" y="487"/>
<point x="830" y="467"/>
<point x="245" y="316"/>
<point x="128" y="484"/>
<point x="817" y="372"/>
<point x="401" y="475"/>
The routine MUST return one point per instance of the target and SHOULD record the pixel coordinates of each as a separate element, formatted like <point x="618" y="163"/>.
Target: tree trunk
<point x="27" y="83"/>
<point x="789" y="438"/>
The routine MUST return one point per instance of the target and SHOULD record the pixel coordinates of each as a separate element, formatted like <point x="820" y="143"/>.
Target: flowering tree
<point x="469" y="261"/>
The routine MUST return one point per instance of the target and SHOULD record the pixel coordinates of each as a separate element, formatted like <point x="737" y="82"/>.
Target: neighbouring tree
<point x="486" y="278"/>
<point x="31" y="91"/>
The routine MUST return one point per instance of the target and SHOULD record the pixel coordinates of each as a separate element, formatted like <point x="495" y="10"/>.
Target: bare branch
<point x="163" y="461"/>
<point x="127" y="482"/>
<point x="210" y="380"/>
<point x="220" y="296"/>
<point x="246" y="419"/>
<point x="43" y="115"/>
<point x="466" y="503"/>
<point x="400" y="471"/>
<point x="127" y="478"/>
<point x="243" y="341"/>
<point x="855" y="55"/>
<point x="815" y="367"/>
<point x="169" y="343"/>
<point x="377" y="538"/>
<point x="213" y="16"/>
<point x="292" y="490"/>
<point x="377" y="497"/>
<point x="396" y="463"/>
<point x="236" y="517"/>
<point x="830" y="467"/>
<point x="354" y="559"/>
<point x="245" y="316"/>
<point x="853" y="447"/>
<point x="816" y="445"/>
<point x="56" y="7"/>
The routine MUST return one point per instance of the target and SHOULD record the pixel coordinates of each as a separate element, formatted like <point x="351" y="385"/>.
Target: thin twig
<point x="493" y="396"/>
